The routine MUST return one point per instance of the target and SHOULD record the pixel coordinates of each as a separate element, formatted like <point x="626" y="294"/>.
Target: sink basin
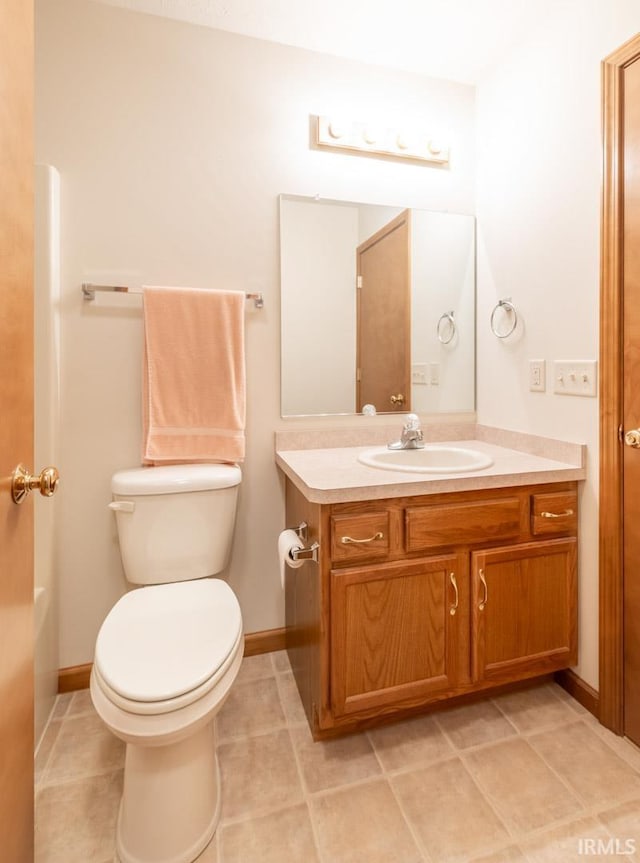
<point x="431" y="459"/>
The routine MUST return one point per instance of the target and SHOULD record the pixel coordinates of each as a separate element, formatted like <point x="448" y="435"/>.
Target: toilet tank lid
<point x="174" y="478"/>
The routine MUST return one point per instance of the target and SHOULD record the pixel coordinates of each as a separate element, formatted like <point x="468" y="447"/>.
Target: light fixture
<point x="379" y="140"/>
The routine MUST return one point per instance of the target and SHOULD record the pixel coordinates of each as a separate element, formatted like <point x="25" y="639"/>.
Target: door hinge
<point x="621" y="433"/>
<point x="358" y="375"/>
<point x="358" y="281"/>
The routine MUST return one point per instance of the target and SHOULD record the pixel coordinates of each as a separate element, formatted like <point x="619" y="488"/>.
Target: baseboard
<point x="74" y="677"/>
<point x="580" y="690"/>
<point x="266" y="641"/>
<point x="77" y="676"/>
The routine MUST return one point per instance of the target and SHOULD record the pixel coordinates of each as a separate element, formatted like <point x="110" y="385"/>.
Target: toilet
<point x="167" y="654"/>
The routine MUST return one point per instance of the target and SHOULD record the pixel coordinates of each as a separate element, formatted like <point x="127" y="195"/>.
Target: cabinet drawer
<point x="554" y="513"/>
<point x="463" y="523"/>
<point x="359" y="537"/>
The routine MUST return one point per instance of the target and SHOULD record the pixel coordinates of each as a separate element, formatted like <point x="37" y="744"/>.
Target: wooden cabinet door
<point x="524" y="609"/>
<point x="399" y="632"/>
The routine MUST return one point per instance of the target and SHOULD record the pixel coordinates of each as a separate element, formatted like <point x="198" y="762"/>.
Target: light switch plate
<point x="434" y="374"/>
<point x="419" y="374"/>
<point x="575" y="377"/>
<point x="537" y="376"/>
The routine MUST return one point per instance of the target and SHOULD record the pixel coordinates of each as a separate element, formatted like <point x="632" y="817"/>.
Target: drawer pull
<point x="454" y="607"/>
<point x="567" y="512"/>
<point x="483" y="602"/>
<point x="347" y="539"/>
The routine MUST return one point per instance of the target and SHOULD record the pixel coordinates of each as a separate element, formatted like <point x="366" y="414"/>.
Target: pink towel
<point x="193" y="392"/>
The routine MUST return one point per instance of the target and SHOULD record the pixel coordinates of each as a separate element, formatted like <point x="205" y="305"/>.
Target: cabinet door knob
<point x="483" y="601"/>
<point x="453" y="608"/>
<point x="632" y="438"/>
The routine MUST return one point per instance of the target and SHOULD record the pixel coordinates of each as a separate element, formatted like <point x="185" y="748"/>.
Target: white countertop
<point x="336" y="476"/>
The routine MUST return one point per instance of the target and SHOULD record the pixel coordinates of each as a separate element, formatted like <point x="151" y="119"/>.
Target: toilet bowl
<point x="166" y="657"/>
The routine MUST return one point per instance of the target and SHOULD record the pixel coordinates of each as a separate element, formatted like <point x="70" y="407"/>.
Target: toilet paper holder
<point x="302" y="531"/>
<point x="309" y="553"/>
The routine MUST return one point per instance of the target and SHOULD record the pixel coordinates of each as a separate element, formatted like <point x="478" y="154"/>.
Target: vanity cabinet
<point x="420" y="599"/>
<point x="523" y="609"/>
<point x="395" y="633"/>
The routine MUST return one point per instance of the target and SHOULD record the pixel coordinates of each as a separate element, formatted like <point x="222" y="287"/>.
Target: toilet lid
<point x="159" y="642"/>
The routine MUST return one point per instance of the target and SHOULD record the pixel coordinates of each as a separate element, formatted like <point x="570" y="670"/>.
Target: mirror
<point x="377" y="308"/>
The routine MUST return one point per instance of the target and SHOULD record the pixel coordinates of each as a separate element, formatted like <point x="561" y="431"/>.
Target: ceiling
<point x="455" y="39"/>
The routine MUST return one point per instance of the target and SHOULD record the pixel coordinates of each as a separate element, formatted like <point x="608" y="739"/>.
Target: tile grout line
<point x="565" y="823"/>
<point x="572" y="715"/>
<point x="599" y="728"/>
<point x="50" y="721"/>
<point x="424" y="852"/>
<point x="306" y="797"/>
<point x="517" y="833"/>
<point x="575" y="792"/>
<point x="388" y="777"/>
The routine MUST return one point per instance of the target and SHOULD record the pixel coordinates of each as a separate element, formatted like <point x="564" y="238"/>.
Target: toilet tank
<point x="175" y="522"/>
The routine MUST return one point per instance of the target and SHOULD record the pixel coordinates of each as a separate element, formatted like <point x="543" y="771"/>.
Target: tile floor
<point x="522" y="777"/>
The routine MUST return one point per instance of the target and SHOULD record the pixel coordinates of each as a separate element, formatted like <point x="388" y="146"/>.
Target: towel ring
<point x="448" y="316"/>
<point x="504" y="304"/>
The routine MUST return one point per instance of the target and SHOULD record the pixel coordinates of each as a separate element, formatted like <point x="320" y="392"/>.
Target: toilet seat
<point x="164" y="647"/>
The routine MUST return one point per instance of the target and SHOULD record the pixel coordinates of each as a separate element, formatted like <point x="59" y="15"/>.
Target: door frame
<point x="611" y="569"/>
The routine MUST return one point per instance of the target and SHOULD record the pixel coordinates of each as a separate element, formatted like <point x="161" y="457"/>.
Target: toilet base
<point x="171" y="800"/>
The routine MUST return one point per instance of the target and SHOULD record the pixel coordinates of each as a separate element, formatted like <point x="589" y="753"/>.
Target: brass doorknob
<point x="397" y="400"/>
<point x="22" y="482"/>
<point x="632" y="438"/>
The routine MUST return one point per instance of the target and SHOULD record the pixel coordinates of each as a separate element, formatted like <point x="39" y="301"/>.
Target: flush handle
<point x="23" y="483"/>
<point x="632" y="438"/>
<point x="122" y="505"/>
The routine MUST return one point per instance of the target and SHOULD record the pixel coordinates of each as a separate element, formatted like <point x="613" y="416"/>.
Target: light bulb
<point x="370" y="135"/>
<point x="337" y="129"/>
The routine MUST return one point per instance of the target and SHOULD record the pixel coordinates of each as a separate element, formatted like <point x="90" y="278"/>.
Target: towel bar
<point x="89" y="292"/>
<point x="508" y="305"/>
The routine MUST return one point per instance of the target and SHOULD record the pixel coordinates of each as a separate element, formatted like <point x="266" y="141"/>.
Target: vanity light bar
<point x="371" y="138"/>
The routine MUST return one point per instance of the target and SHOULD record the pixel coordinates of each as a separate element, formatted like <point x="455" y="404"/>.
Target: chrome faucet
<point x="411" y="437"/>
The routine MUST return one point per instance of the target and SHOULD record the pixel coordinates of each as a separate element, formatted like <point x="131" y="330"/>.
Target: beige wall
<point x="318" y="297"/>
<point x="539" y="157"/>
<point x="173" y="143"/>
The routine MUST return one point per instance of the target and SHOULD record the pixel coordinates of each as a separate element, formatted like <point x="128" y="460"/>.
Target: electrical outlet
<point x="419" y="374"/>
<point x="537" y="376"/>
<point x="575" y="377"/>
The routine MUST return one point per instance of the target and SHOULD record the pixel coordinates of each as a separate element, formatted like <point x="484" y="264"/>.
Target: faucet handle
<point x="412" y="422"/>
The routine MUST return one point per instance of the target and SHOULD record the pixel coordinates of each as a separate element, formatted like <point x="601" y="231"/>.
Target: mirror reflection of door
<point x="383" y="348"/>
